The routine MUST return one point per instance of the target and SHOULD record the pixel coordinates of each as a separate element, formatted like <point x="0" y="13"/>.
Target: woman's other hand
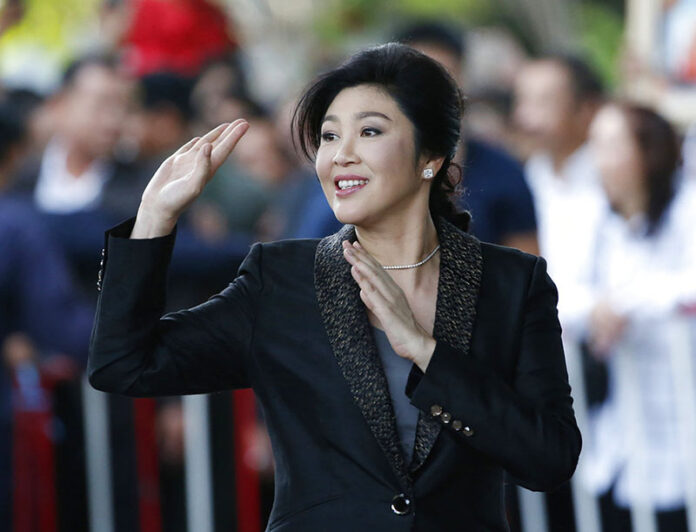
<point x="182" y="177"/>
<point x="387" y="301"/>
<point x="606" y="328"/>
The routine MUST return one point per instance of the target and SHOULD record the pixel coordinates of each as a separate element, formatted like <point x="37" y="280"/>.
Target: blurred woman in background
<point x="642" y="277"/>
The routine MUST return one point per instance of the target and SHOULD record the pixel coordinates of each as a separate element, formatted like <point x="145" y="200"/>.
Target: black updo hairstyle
<point x="424" y="92"/>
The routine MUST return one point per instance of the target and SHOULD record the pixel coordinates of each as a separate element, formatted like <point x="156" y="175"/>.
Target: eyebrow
<point x="362" y="114"/>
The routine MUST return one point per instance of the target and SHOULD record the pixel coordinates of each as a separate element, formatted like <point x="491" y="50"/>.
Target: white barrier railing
<point x="199" y="486"/>
<point x="533" y="511"/>
<point x="682" y="354"/>
<point x="587" y="517"/>
<point x="199" y="491"/>
<point x="98" y="458"/>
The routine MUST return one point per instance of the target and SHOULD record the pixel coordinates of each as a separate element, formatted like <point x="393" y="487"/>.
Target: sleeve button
<point x="436" y="410"/>
<point x="446" y="417"/>
<point x="457" y="425"/>
<point x="467" y="431"/>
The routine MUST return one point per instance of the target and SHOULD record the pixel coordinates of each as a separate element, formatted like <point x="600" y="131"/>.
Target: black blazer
<point x="495" y="395"/>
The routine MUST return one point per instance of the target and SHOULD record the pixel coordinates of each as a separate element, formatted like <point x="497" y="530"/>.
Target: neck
<point x="406" y="242"/>
<point x="77" y="161"/>
<point x="632" y="205"/>
<point x="563" y="152"/>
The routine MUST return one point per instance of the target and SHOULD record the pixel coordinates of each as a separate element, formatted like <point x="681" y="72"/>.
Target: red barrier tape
<point x="246" y="477"/>
<point x="147" y="465"/>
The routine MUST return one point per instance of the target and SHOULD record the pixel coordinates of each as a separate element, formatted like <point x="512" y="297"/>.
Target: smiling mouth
<point x="346" y="184"/>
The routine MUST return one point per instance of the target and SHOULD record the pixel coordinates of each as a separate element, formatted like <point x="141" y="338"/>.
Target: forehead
<point x="610" y="120"/>
<point x="545" y="75"/>
<point x="98" y="78"/>
<point x="363" y="98"/>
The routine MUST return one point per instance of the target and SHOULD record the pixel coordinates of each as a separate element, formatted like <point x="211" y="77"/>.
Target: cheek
<point x="620" y="174"/>
<point x="391" y="158"/>
<point x="322" y="166"/>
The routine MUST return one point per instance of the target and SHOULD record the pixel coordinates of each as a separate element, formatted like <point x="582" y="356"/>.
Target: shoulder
<point x="497" y="164"/>
<point x="18" y="214"/>
<point x="510" y="268"/>
<point x="497" y="256"/>
<point x="289" y="248"/>
<point x="513" y="282"/>
<point x="478" y="150"/>
<point x="284" y="258"/>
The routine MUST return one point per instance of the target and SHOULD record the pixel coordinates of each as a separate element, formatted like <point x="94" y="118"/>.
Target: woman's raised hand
<point x="182" y="177"/>
<point x="388" y="303"/>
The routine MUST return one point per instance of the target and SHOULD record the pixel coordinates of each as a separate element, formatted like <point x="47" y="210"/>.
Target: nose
<point x="346" y="154"/>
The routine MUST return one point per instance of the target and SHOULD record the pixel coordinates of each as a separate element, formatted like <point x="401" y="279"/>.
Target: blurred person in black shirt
<point x="494" y="189"/>
<point x="44" y="326"/>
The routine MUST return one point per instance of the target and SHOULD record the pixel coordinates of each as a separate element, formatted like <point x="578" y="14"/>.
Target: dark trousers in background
<point x="617" y="519"/>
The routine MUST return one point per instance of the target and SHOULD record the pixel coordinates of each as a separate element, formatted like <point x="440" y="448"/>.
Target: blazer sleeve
<point x="527" y="425"/>
<point x="135" y="350"/>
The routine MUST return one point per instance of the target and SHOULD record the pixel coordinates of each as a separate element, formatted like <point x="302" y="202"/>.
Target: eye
<point x="328" y="136"/>
<point x="371" y="131"/>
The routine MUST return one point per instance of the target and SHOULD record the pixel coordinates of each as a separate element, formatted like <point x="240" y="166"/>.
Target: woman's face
<point x="618" y="157"/>
<point x="366" y="158"/>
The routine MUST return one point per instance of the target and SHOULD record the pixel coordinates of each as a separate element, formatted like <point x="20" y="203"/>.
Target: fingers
<point x="211" y="135"/>
<point x="186" y="146"/>
<point x="225" y="132"/>
<point x="377" y="286"/>
<point x="373" y="298"/>
<point x="368" y="268"/>
<point x="203" y="164"/>
<point x="224" y="144"/>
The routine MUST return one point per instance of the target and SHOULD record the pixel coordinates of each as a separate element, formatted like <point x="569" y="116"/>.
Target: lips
<point x="348" y="184"/>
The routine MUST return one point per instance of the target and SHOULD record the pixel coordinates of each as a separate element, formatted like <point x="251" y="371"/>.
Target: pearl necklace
<point x="406" y="266"/>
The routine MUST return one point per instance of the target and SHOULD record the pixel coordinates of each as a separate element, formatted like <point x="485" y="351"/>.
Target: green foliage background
<point x="598" y="32"/>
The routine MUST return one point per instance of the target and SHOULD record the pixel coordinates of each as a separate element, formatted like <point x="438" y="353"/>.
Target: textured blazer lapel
<point x="348" y="328"/>
<point x="455" y="312"/>
<point x="350" y="335"/>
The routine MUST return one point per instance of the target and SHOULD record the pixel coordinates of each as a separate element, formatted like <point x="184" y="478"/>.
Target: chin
<point x="351" y="218"/>
<point x="348" y="219"/>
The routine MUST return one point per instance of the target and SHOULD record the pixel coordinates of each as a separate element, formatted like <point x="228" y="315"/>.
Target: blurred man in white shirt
<point x="556" y="98"/>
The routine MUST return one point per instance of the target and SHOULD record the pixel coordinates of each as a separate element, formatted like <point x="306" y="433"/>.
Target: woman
<point x="640" y="450"/>
<point x="401" y="364"/>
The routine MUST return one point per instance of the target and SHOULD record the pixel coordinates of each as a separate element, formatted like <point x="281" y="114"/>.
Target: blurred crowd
<point x="551" y="163"/>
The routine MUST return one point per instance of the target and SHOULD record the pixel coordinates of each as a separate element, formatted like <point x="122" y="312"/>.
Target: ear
<point x="434" y="163"/>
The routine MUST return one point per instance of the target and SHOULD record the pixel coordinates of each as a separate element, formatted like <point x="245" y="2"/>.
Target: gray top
<point x="397" y="370"/>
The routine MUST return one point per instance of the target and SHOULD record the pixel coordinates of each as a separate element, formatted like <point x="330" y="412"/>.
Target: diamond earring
<point x="428" y="173"/>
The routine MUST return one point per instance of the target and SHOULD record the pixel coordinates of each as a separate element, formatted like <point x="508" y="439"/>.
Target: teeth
<point x="347" y="183"/>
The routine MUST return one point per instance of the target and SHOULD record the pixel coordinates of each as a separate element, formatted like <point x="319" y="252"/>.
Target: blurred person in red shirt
<point x="168" y="35"/>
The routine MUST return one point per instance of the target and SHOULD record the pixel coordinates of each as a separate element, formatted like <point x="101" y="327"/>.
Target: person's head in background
<point x="91" y="108"/>
<point x="219" y="82"/>
<point x="488" y="107"/>
<point x="162" y="121"/>
<point x="556" y="98"/>
<point x="382" y="129"/>
<point x="260" y="153"/>
<point x="29" y="106"/>
<point x="12" y="137"/>
<point x="441" y="41"/>
<point x="638" y="153"/>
